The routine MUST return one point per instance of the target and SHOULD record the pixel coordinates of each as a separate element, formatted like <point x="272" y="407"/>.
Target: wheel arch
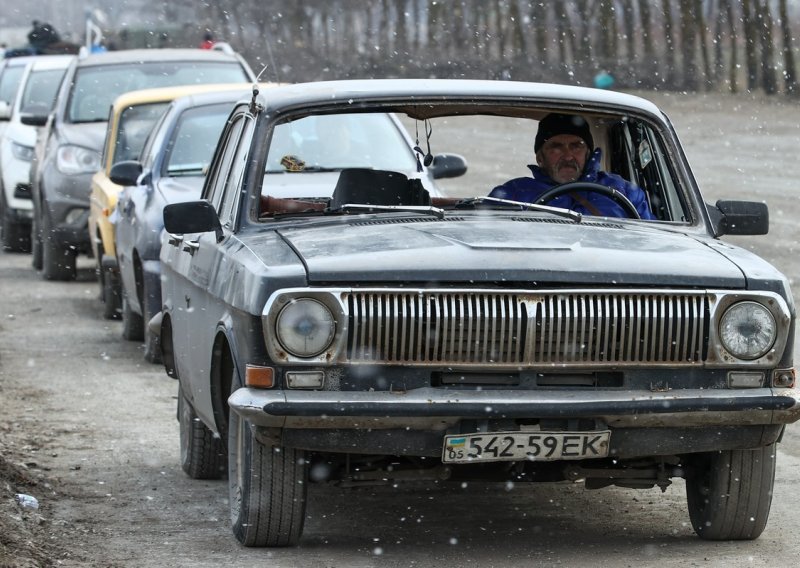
<point x="225" y="373"/>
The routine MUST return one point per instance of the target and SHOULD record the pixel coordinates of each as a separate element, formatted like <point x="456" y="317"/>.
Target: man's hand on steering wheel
<point x="613" y="194"/>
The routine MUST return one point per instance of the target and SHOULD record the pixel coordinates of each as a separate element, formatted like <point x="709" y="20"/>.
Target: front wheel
<point x="267" y="488"/>
<point x="729" y="492"/>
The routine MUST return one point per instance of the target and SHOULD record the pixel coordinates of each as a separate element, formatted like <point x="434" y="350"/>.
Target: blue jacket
<point x="528" y="189"/>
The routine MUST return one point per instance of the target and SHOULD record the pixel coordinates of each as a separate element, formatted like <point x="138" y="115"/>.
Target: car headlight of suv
<point x="747" y="330"/>
<point x="22" y="152"/>
<point x="305" y="327"/>
<point x="72" y="160"/>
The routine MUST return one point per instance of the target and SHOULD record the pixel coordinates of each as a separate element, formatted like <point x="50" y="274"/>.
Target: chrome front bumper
<point x="438" y="409"/>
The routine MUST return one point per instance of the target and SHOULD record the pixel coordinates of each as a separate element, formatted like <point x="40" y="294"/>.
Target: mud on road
<point x="88" y="428"/>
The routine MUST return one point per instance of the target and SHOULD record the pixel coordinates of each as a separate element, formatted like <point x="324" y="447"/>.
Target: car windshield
<point x="9" y="82"/>
<point x="96" y="87"/>
<point x="481" y="161"/>
<point x="135" y="123"/>
<point x="339" y="141"/>
<point x="40" y="91"/>
<point x="194" y="139"/>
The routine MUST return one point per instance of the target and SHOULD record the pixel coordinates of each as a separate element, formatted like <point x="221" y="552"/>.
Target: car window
<point x="135" y="123"/>
<point x="95" y="87"/>
<point x="41" y="88"/>
<point x="194" y="139"/>
<point x="9" y="82"/>
<point x="231" y="194"/>
<point x="218" y="175"/>
<point x="339" y="141"/>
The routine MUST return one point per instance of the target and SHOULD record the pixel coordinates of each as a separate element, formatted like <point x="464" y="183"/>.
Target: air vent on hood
<point x="405" y="220"/>
<point x="584" y="221"/>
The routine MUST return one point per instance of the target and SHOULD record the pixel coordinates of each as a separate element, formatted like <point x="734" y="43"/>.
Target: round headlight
<point x="747" y="330"/>
<point x="305" y="327"/>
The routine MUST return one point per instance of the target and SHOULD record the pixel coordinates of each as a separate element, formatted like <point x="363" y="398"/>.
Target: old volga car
<point x="380" y="332"/>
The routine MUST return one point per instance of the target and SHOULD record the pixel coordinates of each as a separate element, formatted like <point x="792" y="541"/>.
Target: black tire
<point x="16" y="236"/>
<point x="268" y="486"/>
<point x="729" y="493"/>
<point x="152" y="345"/>
<point x="132" y="323"/>
<point x="202" y="452"/>
<point x="111" y="295"/>
<point x="36" y="245"/>
<point x="58" y="263"/>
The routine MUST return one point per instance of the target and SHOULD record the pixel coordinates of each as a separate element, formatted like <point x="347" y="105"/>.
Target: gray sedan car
<point x="383" y="334"/>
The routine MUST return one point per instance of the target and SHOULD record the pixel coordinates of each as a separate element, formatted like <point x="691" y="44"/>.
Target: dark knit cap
<point x="555" y="124"/>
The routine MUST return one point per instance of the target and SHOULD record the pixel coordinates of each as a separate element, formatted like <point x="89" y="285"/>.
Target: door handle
<point x="175" y="240"/>
<point x="191" y="247"/>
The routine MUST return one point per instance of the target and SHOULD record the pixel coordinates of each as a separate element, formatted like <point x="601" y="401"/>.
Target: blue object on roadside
<point x="603" y="80"/>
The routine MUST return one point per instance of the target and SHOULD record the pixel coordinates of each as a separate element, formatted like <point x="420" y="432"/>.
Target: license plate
<point x="525" y="446"/>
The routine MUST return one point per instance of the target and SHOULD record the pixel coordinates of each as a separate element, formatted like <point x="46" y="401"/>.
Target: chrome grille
<point x="521" y="328"/>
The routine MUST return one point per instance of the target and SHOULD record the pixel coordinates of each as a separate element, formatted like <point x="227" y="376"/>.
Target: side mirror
<point x="5" y="111"/>
<point x="192" y="217"/>
<point x="740" y="218"/>
<point x="33" y="119"/>
<point x="126" y="172"/>
<point x="448" y="166"/>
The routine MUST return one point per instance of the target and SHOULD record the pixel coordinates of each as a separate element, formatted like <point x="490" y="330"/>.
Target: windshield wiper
<point x="427" y="209"/>
<point x="569" y="214"/>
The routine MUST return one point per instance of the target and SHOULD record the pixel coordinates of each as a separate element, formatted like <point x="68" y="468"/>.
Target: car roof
<point x="213" y="97"/>
<point x="47" y="62"/>
<point x="400" y="95"/>
<point x="158" y="54"/>
<point x="18" y="61"/>
<point x="161" y="94"/>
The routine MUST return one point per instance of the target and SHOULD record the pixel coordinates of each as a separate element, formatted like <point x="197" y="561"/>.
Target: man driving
<point x="565" y="153"/>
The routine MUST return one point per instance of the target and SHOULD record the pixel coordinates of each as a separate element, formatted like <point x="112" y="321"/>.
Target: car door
<point x="202" y="266"/>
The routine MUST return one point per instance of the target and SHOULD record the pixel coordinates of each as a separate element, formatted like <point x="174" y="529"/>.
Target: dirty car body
<point x="381" y="332"/>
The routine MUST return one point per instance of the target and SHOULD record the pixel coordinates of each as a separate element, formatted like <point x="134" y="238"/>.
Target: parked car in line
<point x="37" y="92"/>
<point x="69" y="152"/>
<point x="383" y="334"/>
<point x="173" y="166"/>
<point x="131" y="119"/>
<point x="11" y="69"/>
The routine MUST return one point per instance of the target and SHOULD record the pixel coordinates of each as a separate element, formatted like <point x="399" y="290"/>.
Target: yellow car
<point x="132" y="117"/>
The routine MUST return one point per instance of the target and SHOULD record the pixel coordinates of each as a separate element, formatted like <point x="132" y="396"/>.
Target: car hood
<point x="87" y="134"/>
<point x="520" y="251"/>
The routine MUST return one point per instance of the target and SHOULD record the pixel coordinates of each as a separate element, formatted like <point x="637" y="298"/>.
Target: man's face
<point x="563" y="157"/>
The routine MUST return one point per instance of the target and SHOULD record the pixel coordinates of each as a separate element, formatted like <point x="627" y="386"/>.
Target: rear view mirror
<point x="5" y="111"/>
<point x="448" y="166"/>
<point x="192" y="217"/>
<point x="126" y="172"/>
<point x="740" y="218"/>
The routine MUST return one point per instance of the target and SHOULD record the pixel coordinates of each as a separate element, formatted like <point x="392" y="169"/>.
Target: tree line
<point x="692" y="45"/>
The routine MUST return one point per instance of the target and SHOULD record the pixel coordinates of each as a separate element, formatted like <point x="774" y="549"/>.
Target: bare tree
<point x="671" y="71"/>
<point x="790" y="72"/>
<point x="751" y="47"/>
<point x="764" y="21"/>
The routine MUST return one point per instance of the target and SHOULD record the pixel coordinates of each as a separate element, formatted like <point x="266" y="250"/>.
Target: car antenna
<point x="254" y="107"/>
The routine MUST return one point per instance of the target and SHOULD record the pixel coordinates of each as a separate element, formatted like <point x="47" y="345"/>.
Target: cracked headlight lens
<point x="747" y="330"/>
<point x="305" y="327"/>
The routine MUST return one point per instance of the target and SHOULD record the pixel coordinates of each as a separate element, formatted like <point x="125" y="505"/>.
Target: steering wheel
<point x="616" y="196"/>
